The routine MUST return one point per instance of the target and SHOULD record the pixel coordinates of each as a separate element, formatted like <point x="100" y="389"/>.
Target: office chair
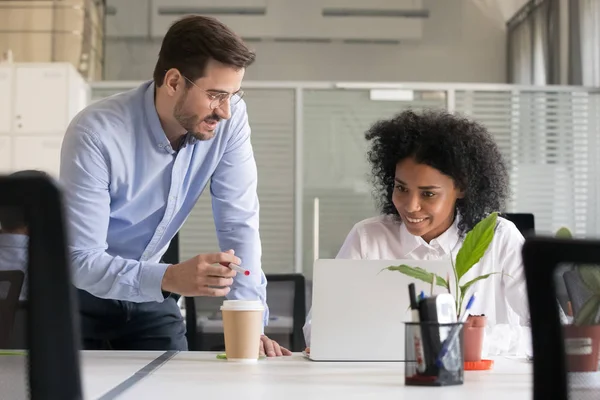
<point x="525" y="222"/>
<point x="286" y="297"/>
<point x="298" y="309"/>
<point x="11" y="283"/>
<point x="541" y="258"/>
<point x="52" y="321"/>
<point x="279" y="306"/>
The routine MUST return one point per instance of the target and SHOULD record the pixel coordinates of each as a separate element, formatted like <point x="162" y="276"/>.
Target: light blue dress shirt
<point x="128" y="192"/>
<point x="14" y="252"/>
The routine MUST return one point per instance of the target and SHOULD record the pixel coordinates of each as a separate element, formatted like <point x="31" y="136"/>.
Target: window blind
<point x="550" y="142"/>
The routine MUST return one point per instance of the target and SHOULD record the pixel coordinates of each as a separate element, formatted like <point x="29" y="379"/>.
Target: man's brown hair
<point x="194" y="40"/>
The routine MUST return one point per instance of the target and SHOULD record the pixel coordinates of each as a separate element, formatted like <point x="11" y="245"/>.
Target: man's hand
<point x="200" y="276"/>
<point x="271" y="348"/>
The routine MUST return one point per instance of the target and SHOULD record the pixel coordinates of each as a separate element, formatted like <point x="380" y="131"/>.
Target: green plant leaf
<point x="418" y="273"/>
<point x="590" y="276"/>
<point x="467" y="285"/>
<point x="564" y="233"/>
<point x="588" y="314"/>
<point x="413" y="272"/>
<point x="442" y="282"/>
<point x="475" y="244"/>
<point x="459" y="294"/>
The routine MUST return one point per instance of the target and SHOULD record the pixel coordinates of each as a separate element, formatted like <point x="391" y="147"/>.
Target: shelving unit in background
<point x="55" y="31"/>
<point x="37" y="102"/>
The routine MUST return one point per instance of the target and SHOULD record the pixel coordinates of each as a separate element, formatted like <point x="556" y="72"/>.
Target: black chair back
<point x="11" y="283"/>
<point x="525" y="222"/>
<point x="53" y="324"/>
<point x="298" y="305"/>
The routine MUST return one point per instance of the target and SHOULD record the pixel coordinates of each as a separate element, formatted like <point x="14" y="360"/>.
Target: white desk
<point x="101" y="372"/>
<point x="158" y="375"/>
<point x="179" y="375"/>
<point x="202" y="375"/>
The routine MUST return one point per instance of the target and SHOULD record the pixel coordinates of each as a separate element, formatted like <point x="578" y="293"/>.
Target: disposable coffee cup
<point x="242" y="328"/>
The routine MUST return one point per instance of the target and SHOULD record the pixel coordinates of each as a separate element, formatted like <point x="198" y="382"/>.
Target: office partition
<point x="309" y="143"/>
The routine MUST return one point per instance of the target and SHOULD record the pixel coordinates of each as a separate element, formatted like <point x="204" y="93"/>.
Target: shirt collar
<point x="446" y="241"/>
<point x="158" y="134"/>
<point x="13" y="240"/>
<point x="449" y="238"/>
<point x="409" y="241"/>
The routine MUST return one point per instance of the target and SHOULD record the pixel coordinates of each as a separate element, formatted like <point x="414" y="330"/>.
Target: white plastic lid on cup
<point x="242" y="305"/>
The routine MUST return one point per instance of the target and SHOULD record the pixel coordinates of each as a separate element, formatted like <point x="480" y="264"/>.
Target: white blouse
<point x="501" y="297"/>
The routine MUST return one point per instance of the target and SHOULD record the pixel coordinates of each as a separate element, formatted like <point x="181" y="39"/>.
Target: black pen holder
<point x="434" y="354"/>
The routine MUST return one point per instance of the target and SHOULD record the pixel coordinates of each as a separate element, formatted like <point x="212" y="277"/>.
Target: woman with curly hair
<point x="435" y="176"/>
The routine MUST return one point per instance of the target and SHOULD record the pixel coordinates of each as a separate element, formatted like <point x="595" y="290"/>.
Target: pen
<point x="454" y="332"/>
<point x="239" y="269"/>
<point x="413" y="299"/>
<point x="417" y="340"/>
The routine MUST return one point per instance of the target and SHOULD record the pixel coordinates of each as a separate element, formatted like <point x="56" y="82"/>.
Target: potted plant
<point x="475" y="244"/>
<point x="582" y="337"/>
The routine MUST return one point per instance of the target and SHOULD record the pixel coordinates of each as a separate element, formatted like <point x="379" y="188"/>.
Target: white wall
<point x="501" y="10"/>
<point x="460" y="43"/>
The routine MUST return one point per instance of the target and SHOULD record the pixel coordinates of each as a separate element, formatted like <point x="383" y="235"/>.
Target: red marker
<point x="239" y="269"/>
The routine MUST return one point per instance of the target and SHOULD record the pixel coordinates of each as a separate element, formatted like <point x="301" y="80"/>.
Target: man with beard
<point x="132" y="168"/>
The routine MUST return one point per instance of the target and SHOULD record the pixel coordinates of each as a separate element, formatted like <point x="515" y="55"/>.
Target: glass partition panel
<point x="335" y="165"/>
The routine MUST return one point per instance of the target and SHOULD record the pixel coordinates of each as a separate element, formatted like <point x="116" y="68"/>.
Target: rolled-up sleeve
<point x="85" y="178"/>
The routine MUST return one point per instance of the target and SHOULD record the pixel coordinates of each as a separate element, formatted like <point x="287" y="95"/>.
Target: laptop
<point x="358" y="310"/>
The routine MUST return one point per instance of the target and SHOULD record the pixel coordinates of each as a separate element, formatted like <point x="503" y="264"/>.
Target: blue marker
<point x="454" y="332"/>
<point x="421" y="295"/>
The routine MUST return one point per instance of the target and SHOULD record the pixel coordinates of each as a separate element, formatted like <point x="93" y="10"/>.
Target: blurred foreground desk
<point x="102" y="371"/>
<point x="158" y="375"/>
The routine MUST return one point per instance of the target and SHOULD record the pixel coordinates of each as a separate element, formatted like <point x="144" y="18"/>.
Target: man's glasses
<point x="217" y="99"/>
